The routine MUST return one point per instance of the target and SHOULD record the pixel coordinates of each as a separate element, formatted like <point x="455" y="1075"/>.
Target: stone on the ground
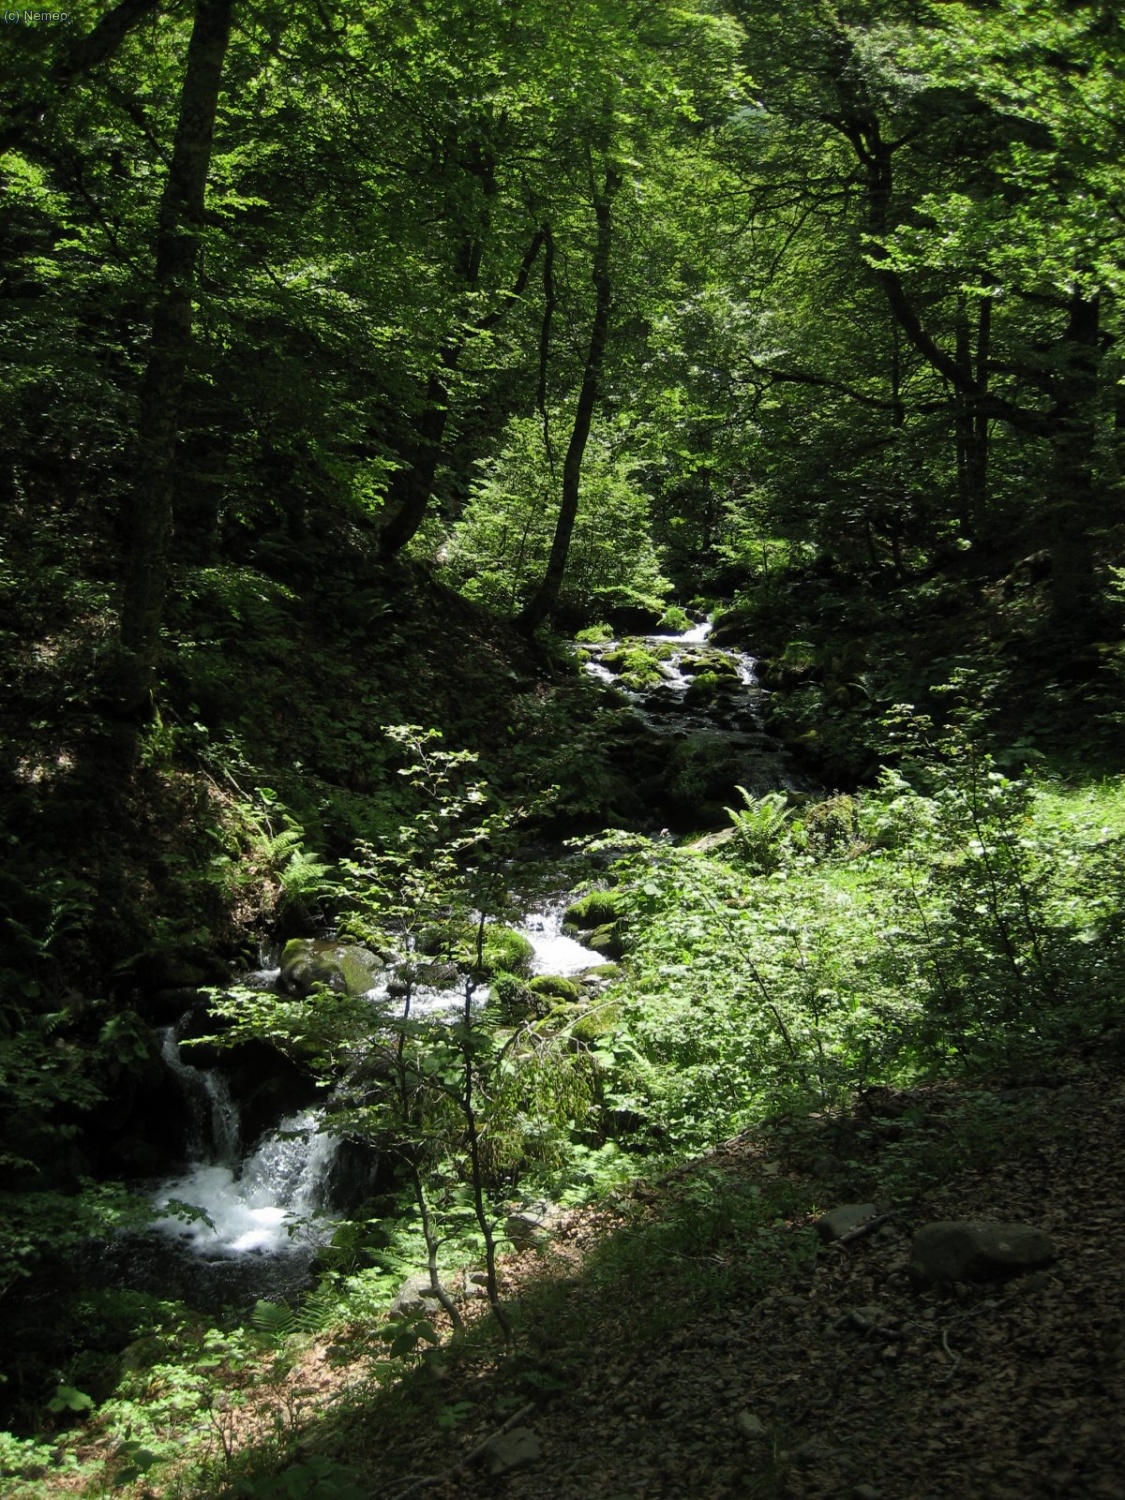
<point x="415" y="1295"/>
<point x="842" y="1220"/>
<point x="976" y="1250"/>
<point x="509" y="1451"/>
<point x="750" y="1425"/>
<point x="531" y="1227"/>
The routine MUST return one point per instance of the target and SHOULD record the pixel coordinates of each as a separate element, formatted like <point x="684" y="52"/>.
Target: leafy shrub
<point x="758" y="827"/>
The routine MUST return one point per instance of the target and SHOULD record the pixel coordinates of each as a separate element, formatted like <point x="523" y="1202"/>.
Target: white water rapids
<point x="271" y="1202"/>
<point x="268" y="1201"/>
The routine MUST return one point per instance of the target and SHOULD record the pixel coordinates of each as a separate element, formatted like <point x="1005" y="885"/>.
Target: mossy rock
<point x="674" y="618"/>
<point x="595" y="635"/>
<point x="707" y="685"/>
<point x="608" y="940"/>
<point x="593" y="910"/>
<point x="434" y="940"/>
<point x="603" y="973"/>
<point x="555" y="987"/>
<point x="508" y="950"/>
<point x="713" y="662"/>
<point x="598" y="1022"/>
<point x="515" y="1000"/>
<point x="344" y="967"/>
<point x="637" y="666"/>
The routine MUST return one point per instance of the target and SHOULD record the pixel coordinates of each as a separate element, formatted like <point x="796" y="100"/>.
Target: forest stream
<point x="262" y="1206"/>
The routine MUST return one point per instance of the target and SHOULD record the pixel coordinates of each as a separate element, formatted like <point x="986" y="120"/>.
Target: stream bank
<point x="262" y="1174"/>
<point x="239" y="1138"/>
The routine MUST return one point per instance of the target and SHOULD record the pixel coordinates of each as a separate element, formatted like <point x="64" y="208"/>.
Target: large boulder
<point x="595" y="909"/>
<point x="555" y="987"/>
<point x="346" y="968"/>
<point x="976" y="1250"/>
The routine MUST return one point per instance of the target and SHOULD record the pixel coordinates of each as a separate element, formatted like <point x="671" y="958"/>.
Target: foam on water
<point x="267" y="1206"/>
<point x="555" y="953"/>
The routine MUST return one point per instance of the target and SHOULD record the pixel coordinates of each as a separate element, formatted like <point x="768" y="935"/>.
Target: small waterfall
<point x="723" y="717"/>
<point x="555" y="953"/>
<point x="268" y="1207"/>
<point x="213" y="1130"/>
<point x="265" y="1203"/>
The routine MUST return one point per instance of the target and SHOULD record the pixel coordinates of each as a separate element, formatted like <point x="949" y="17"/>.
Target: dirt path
<point x="842" y="1380"/>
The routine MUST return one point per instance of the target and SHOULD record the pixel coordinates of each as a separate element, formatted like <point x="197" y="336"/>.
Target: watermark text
<point x="34" y="17"/>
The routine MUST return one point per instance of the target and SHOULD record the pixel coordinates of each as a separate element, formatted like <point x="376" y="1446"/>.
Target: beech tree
<point x="965" y="128"/>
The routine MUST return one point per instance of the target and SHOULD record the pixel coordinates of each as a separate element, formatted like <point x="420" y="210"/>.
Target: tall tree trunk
<point x="544" y="601"/>
<point x="413" y="484"/>
<point x="978" y="446"/>
<point x="150" y="508"/>
<point x="1071" y="496"/>
<point x="970" y="417"/>
<point x="408" y="496"/>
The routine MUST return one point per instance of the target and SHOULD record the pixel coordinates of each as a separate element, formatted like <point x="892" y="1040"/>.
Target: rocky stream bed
<point x="248" y="1140"/>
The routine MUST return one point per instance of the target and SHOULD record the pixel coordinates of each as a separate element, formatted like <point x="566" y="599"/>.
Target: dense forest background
<point x="358" y="358"/>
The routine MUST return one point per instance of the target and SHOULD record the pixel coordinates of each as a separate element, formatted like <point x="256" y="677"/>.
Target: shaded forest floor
<point x="692" y="1338"/>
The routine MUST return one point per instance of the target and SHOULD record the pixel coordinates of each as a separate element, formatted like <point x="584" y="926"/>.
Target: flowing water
<point x="257" y="1209"/>
<point x="235" y="1224"/>
<point x="271" y="1200"/>
<point x="722" y="721"/>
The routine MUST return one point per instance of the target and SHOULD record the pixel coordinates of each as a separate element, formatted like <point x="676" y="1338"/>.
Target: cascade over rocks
<point x="695" y="731"/>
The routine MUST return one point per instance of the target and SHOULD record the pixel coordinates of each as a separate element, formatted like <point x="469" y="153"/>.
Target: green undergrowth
<point x="870" y="990"/>
<point x="837" y="646"/>
<point x="718" y="1231"/>
<point x="951" y="920"/>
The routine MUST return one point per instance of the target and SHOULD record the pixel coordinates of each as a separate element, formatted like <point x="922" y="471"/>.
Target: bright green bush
<point x="498" y="551"/>
<point x="978" y="921"/>
<point x="758" y="827"/>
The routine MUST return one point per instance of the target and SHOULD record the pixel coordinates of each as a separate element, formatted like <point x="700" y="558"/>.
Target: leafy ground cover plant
<point x="952" y="916"/>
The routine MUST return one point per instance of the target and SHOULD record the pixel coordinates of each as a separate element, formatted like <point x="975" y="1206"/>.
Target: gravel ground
<point x="842" y="1380"/>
